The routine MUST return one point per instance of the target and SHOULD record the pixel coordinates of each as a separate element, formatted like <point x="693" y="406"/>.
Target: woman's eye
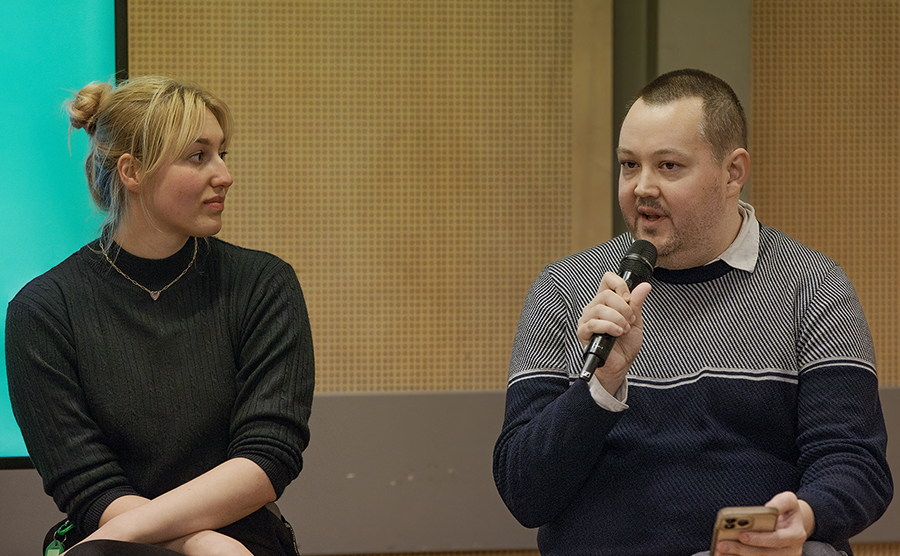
<point x="196" y="157"/>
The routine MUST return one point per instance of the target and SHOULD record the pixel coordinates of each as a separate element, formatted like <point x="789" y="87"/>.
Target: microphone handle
<point x="597" y="352"/>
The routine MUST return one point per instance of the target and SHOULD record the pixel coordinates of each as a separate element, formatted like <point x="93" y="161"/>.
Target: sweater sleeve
<point x="270" y="422"/>
<point x="553" y="432"/>
<point x="66" y="446"/>
<point x="841" y="431"/>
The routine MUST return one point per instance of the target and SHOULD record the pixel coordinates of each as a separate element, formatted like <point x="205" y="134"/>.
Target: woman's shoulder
<point x="55" y="289"/>
<point x="229" y="251"/>
<point x="65" y="274"/>
<point x="235" y="259"/>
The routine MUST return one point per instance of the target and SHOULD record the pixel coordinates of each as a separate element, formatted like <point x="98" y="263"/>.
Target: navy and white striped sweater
<point x="747" y="385"/>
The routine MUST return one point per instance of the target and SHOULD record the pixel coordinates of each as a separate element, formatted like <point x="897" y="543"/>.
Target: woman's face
<point x="186" y="196"/>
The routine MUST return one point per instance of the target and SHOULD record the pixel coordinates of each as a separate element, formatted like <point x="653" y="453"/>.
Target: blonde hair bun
<point x="83" y="109"/>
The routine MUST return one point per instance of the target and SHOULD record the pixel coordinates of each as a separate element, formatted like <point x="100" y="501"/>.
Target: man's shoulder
<point x="604" y="257"/>
<point x="778" y="248"/>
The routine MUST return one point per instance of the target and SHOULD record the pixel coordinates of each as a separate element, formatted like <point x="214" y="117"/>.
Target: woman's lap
<point x="118" y="548"/>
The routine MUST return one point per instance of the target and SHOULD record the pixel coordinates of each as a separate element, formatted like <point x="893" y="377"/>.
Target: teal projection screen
<point x="50" y="48"/>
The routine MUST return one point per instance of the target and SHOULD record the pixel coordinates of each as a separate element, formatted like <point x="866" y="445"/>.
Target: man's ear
<point x="738" y="165"/>
<point x="129" y="172"/>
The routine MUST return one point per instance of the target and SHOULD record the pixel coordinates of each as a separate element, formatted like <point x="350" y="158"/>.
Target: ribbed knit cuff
<point x="278" y="474"/>
<point x="90" y="521"/>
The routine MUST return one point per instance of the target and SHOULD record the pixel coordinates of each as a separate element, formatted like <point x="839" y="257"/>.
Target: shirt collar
<point x="743" y="252"/>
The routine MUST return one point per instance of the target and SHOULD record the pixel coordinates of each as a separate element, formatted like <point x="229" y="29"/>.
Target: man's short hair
<point x="724" y="124"/>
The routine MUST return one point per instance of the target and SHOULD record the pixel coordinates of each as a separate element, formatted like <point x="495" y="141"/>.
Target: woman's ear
<point x="129" y="172"/>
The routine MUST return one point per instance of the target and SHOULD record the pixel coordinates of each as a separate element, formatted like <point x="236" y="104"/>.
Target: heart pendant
<point x="154" y="295"/>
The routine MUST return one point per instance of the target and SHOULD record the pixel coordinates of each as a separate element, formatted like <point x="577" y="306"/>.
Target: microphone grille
<point x="639" y="261"/>
<point x="645" y="250"/>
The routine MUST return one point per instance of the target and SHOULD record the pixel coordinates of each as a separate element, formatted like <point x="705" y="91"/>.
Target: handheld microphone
<point x="636" y="267"/>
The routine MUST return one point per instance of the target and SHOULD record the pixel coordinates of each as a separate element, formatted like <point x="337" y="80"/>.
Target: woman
<point x="163" y="378"/>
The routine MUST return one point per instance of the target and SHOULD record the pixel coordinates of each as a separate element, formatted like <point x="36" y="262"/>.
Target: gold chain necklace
<point x="153" y="294"/>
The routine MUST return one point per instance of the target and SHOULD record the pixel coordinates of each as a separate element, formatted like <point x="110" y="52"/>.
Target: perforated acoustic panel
<point x="411" y="160"/>
<point x="824" y="136"/>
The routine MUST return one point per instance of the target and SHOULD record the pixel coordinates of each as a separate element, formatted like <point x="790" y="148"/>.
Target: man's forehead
<point x="671" y="124"/>
<point x="684" y="107"/>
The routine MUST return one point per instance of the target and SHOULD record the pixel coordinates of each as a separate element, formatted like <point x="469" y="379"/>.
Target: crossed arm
<point x="185" y="518"/>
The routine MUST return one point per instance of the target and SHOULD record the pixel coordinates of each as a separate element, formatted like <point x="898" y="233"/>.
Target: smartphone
<point x="730" y="522"/>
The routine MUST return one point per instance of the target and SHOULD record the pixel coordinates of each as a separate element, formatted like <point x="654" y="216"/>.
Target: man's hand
<point x="615" y="311"/>
<point x="796" y="523"/>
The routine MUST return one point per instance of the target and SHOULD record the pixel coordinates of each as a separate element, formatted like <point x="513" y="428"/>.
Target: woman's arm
<point x="219" y="497"/>
<point x="236" y="488"/>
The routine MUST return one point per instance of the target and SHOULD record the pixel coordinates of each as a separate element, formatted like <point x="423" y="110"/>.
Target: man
<point x="745" y="377"/>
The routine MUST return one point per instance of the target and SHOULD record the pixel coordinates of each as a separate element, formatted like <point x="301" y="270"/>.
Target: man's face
<point x="671" y="190"/>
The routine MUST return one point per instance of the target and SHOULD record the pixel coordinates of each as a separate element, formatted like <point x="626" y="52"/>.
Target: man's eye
<point x="628" y="164"/>
<point x="669" y="165"/>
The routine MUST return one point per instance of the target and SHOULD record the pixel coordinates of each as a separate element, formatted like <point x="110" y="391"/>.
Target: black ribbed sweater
<point x="119" y="394"/>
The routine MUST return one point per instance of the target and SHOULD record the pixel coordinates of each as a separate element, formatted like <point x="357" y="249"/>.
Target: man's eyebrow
<point x="661" y="152"/>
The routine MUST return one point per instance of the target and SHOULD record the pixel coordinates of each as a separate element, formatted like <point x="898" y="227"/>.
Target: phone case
<point x="732" y="521"/>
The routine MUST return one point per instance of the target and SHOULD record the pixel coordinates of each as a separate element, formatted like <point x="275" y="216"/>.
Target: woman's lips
<point x="216" y="203"/>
